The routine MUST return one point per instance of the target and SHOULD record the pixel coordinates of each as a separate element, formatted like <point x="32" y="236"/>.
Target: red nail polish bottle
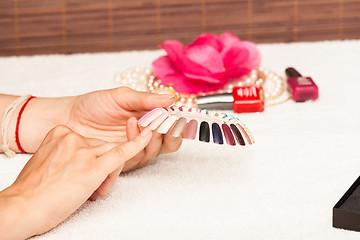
<point x="242" y="99"/>
<point x="301" y="88"/>
<point x="248" y="99"/>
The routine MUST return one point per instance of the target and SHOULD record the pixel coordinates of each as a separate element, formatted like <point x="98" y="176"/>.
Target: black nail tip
<point x="204" y="135"/>
<point x="238" y="135"/>
<point x="217" y="135"/>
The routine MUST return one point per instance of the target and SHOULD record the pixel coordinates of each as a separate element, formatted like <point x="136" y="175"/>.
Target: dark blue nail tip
<point x="217" y="135"/>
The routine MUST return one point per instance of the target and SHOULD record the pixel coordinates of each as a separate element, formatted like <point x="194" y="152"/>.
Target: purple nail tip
<point x="217" y="135"/>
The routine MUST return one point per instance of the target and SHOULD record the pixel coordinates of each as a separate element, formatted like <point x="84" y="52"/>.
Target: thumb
<point x="143" y="101"/>
<point x="117" y="156"/>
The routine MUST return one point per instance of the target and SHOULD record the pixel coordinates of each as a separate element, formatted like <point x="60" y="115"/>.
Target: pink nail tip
<point x="190" y="131"/>
<point x="144" y="118"/>
<point x="151" y="117"/>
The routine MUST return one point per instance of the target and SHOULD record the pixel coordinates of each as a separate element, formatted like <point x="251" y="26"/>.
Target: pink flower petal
<point x="203" y="79"/>
<point x="163" y="67"/>
<point x="208" y="39"/>
<point x="253" y="59"/>
<point x="229" y="39"/>
<point x="206" y="56"/>
<point x="168" y="74"/>
<point x="183" y="85"/>
<point x="179" y="83"/>
<point x="177" y="55"/>
<point x="220" y="76"/>
<point x="240" y="59"/>
<point x="236" y="73"/>
<point x="235" y="57"/>
<point x="255" y="56"/>
<point x="174" y="49"/>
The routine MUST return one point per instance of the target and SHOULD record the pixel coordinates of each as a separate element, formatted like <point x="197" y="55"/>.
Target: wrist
<point x="38" y="118"/>
<point x="16" y="218"/>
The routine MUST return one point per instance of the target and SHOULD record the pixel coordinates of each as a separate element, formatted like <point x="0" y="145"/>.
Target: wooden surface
<point x="30" y="27"/>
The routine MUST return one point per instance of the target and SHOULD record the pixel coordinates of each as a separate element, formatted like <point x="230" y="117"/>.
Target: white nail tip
<point x="165" y="126"/>
<point x="156" y="123"/>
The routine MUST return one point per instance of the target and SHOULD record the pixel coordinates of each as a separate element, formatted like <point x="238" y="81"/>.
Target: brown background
<point x="70" y="26"/>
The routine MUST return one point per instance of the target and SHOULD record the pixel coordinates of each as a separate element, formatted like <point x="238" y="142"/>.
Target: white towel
<point x="284" y="187"/>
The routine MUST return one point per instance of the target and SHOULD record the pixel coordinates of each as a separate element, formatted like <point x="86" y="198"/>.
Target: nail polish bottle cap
<point x="291" y="72"/>
<point x="218" y="101"/>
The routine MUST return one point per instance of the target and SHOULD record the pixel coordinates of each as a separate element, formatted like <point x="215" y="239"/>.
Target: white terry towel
<point x="284" y="187"/>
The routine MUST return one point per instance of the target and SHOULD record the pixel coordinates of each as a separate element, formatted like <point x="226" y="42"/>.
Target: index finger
<point x="117" y="156"/>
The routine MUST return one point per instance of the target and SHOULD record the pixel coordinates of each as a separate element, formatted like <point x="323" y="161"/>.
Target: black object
<point x="346" y="212"/>
<point x="291" y="72"/>
<point x="204" y="132"/>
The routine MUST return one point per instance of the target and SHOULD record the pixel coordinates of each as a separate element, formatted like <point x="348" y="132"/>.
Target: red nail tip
<point x="228" y="135"/>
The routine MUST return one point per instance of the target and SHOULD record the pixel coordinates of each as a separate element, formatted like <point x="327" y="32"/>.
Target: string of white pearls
<point x="142" y="79"/>
<point x="135" y="78"/>
<point x="273" y="84"/>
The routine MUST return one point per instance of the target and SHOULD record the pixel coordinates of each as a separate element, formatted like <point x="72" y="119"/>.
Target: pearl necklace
<point x="142" y="79"/>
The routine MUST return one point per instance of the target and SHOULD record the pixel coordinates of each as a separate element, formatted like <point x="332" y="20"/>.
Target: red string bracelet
<point x="18" y="124"/>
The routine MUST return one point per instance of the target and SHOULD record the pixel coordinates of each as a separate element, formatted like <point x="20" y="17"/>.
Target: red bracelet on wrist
<point x="18" y="124"/>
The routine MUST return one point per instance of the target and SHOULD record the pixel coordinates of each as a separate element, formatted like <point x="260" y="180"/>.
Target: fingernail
<point x="134" y="121"/>
<point x="145" y="131"/>
<point x="166" y="96"/>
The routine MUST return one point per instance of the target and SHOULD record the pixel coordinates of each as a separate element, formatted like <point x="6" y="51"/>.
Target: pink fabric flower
<point x="207" y="64"/>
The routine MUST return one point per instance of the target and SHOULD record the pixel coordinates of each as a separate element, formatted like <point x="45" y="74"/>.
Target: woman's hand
<point x="110" y="115"/>
<point x="65" y="171"/>
<point x="104" y="114"/>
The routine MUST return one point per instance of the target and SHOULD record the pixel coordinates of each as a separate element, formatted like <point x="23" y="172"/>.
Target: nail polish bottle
<point x="301" y="88"/>
<point x="248" y="99"/>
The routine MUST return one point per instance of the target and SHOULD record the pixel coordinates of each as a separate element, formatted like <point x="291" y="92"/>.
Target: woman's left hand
<point x="62" y="174"/>
<point x="104" y="114"/>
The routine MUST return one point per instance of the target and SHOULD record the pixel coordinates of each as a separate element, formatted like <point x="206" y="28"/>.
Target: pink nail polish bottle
<point x="301" y="88"/>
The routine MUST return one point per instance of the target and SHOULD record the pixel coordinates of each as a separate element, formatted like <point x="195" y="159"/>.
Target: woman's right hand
<point x="62" y="174"/>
